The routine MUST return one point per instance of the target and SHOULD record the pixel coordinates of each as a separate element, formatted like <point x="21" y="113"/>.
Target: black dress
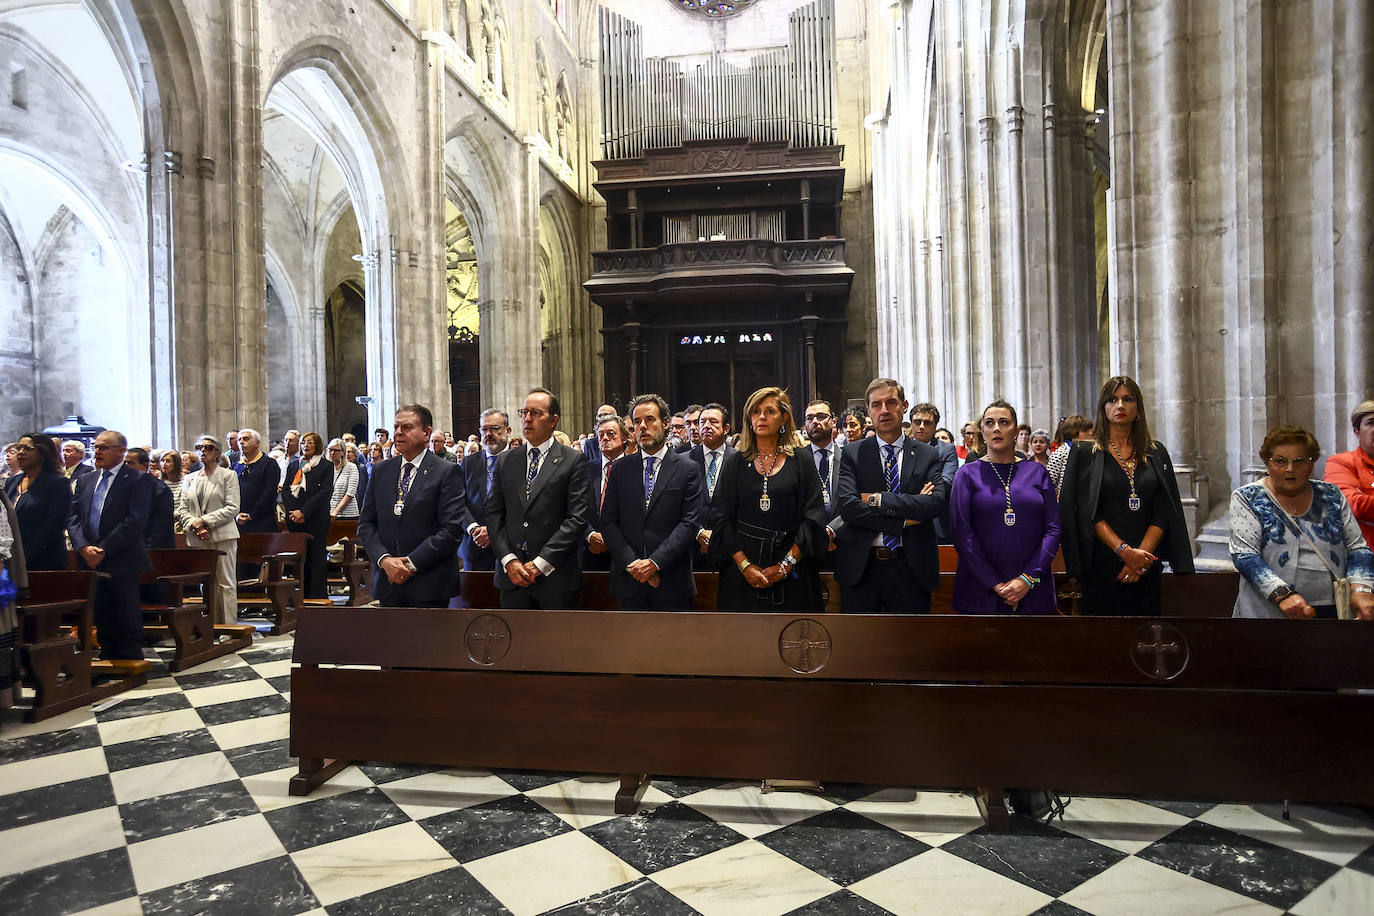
<point x="42" y="512"/>
<point x="313" y="502"/>
<point x="1103" y="593"/>
<point x="795" y="515"/>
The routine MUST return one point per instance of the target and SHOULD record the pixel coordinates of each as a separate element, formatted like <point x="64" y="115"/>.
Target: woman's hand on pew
<point x="757" y="576"/>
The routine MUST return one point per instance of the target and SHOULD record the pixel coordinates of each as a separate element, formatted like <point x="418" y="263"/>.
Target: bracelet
<point x="745" y="565"/>
<point x="1030" y="580"/>
<point x="1362" y="588"/>
<point x="1123" y="546"/>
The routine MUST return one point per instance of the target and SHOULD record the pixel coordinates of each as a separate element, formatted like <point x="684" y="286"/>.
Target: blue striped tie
<point x="891" y="541"/>
<point x="648" y="480"/>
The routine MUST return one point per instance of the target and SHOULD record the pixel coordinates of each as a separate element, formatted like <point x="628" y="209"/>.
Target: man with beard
<point x="824" y="452"/>
<point x="478" y="470"/>
<point x="650" y="517"/>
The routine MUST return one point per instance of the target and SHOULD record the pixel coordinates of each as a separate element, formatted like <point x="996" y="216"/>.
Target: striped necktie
<point x="891" y="541"/>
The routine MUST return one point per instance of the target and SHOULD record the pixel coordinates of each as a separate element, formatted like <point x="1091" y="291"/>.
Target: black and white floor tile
<point x="174" y="800"/>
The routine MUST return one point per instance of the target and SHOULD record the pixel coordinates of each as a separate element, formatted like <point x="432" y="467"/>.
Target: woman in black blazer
<point x="42" y="498"/>
<point x="305" y="496"/>
<point x="1120" y="509"/>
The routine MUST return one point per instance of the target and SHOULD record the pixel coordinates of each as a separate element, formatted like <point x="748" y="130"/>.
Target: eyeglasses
<point x="204" y="448"/>
<point x="1294" y="463"/>
<point x="531" y="413"/>
<point x="818" y="417"/>
<point x="492" y="429"/>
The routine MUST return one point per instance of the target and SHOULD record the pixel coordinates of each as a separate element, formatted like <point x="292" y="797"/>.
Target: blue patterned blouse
<point x="1269" y="553"/>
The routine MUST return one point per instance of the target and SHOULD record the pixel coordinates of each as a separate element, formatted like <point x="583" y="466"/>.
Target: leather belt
<point x="884" y="553"/>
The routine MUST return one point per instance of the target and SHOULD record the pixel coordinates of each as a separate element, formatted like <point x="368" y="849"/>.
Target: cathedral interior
<point x="304" y="213"/>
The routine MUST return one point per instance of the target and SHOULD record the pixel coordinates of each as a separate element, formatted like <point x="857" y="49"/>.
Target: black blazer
<point x="698" y="454"/>
<point x="861" y="471"/>
<point x="665" y="532"/>
<point x="258" y="493"/>
<point x="123" y="520"/>
<point x="427" y="531"/>
<point x="161" y="531"/>
<point x="836" y="521"/>
<point x="475" y="495"/>
<point x="551" y="522"/>
<point x="314" y="499"/>
<point x="42" y="516"/>
<point x="1078" y="509"/>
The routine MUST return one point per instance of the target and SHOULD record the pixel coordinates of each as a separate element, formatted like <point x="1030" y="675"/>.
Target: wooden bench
<point x="58" y="649"/>
<point x="277" y="591"/>
<point x="191" y="624"/>
<point x="1168" y="707"/>
<point x="351" y="570"/>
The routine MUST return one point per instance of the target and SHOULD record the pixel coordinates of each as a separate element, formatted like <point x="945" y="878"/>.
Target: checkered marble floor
<point x="174" y="800"/>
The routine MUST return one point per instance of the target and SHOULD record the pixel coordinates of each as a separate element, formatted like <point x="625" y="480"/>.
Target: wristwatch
<point x="1280" y="593"/>
<point x="875" y="499"/>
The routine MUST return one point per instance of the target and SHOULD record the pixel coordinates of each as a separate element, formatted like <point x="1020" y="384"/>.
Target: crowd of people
<point x="652" y="495"/>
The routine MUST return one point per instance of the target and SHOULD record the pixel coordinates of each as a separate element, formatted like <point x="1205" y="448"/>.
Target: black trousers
<point x="118" y="620"/>
<point x="540" y="599"/>
<point x="886" y="587"/>
<point x="647" y="598"/>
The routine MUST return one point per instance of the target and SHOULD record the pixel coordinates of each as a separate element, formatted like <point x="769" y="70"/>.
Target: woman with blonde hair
<point x="343" y="502"/>
<point x="207" y="512"/>
<point x="773" y="529"/>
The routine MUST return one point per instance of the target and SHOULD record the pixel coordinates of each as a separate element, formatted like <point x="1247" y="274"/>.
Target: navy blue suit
<point x="949" y="466"/>
<point x="589" y="560"/>
<point x="42" y="513"/>
<point x="665" y="531"/>
<point x="709" y="517"/>
<point x="475" y="490"/>
<point x="258" y="493"/>
<point x="427" y="531"/>
<point x="161" y="531"/>
<point x="120" y="533"/>
<point x="904" y="582"/>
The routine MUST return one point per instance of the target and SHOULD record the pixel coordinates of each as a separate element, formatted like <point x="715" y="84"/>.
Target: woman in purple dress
<point x="1004" y="518"/>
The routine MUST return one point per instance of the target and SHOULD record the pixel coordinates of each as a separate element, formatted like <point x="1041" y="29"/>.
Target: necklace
<point x="1133" y="503"/>
<point x="1008" y="517"/>
<point x="764" y="502"/>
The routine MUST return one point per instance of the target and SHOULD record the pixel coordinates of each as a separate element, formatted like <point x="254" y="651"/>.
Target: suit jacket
<point x="836" y="521"/>
<point x="42" y="514"/>
<point x="1078" y="509"/>
<point x="475" y="490"/>
<point x="949" y="466"/>
<point x="216" y="500"/>
<point x="665" y="532"/>
<point x="698" y="454"/>
<point x="123" y="519"/>
<point x="550" y="523"/>
<point x="861" y="471"/>
<point x="314" y="498"/>
<point x="427" y="531"/>
<point x="585" y="556"/>
<point x="160" y="533"/>
<point x="258" y="493"/>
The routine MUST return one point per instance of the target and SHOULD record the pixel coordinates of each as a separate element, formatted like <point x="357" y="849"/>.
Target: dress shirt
<point x="898" y="450"/>
<point x="832" y="456"/>
<point x="541" y="564"/>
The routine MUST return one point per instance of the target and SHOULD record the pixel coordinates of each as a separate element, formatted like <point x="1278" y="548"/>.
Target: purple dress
<point x="990" y="551"/>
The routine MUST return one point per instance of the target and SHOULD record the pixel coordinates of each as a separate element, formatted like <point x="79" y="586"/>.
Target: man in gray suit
<point x="537" y="513"/>
<point x="925" y="419"/>
<point x="824" y="452"/>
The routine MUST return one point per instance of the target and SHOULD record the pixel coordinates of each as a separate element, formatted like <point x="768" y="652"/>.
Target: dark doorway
<point x="726" y="373"/>
<point x="464" y="378"/>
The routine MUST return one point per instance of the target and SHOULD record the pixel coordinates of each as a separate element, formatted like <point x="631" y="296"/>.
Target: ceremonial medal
<point x="399" y="507"/>
<point x="765" y="502"/>
<point x="1133" y="503"/>
<point x="1009" y="518"/>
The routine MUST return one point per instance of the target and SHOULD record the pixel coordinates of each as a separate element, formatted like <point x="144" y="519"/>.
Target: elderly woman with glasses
<point x="1292" y="536"/>
<point x="343" y="502"/>
<point x="208" y="514"/>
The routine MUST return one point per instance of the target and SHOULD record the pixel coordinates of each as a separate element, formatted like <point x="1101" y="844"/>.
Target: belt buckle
<point x="884" y="553"/>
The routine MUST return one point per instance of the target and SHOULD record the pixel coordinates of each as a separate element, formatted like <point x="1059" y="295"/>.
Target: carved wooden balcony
<point x="727" y="267"/>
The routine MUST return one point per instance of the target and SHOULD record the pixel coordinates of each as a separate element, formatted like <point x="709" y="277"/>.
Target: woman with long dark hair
<point x="1121" y="509"/>
<point x="309" y="483"/>
<point x="42" y="498"/>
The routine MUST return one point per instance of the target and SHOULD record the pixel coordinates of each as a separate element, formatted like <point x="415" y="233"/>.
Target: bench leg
<point x="313" y="773"/>
<point x="992" y="805"/>
<point x="632" y="786"/>
<point x="61" y="678"/>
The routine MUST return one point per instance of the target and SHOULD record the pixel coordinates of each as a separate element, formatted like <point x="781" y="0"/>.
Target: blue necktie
<point x="534" y="470"/>
<point x="491" y="470"/>
<point x="98" y="501"/>
<point x="891" y="541"/>
<point x="648" y="480"/>
<point x="825" y="477"/>
<point x="711" y="474"/>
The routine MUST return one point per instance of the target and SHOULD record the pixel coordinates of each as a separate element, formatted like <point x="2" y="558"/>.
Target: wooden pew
<point x="60" y="663"/>
<point x="354" y="570"/>
<point x="277" y="591"/>
<point x="192" y="624"/>
<point x="1167" y="707"/>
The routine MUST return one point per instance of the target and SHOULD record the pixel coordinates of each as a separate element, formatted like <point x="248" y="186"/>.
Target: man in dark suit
<point x="611" y="436"/>
<point x="160" y="533"/>
<point x="925" y="419"/>
<point x="414" y="518"/>
<point x="650" y="517"/>
<point x="479" y="469"/>
<point x="258" y="479"/>
<point x="591" y="447"/>
<point x="890" y="488"/>
<point x="106" y="526"/>
<point x="824" y="453"/>
<point x="537" y="513"/>
<point x="74" y="465"/>
<point x="710" y="455"/>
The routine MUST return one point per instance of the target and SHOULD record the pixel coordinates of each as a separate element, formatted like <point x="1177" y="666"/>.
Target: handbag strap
<point x="1302" y="533"/>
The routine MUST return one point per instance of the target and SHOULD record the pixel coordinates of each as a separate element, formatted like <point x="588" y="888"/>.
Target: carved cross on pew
<point x="805" y="646"/>
<point x="1160" y="652"/>
<point x="487" y="639"/>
